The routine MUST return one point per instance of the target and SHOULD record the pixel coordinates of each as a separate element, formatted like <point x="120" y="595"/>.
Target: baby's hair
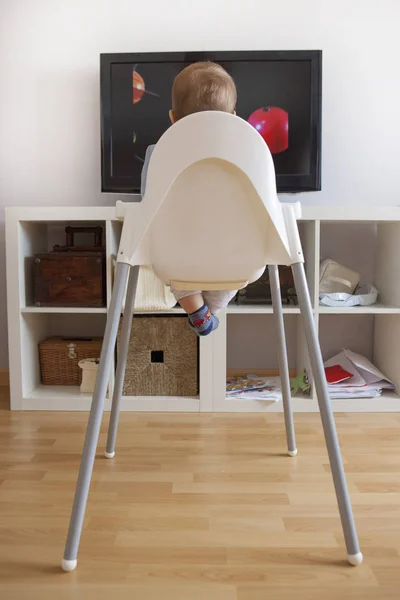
<point x="203" y="86"/>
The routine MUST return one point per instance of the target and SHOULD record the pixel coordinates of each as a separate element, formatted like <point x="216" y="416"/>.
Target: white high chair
<point x="210" y="220"/>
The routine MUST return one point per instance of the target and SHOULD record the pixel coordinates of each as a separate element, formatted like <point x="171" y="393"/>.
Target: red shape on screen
<point x="138" y="86"/>
<point x="272" y="123"/>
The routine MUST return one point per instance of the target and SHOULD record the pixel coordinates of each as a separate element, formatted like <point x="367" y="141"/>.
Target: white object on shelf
<point x="89" y="368"/>
<point x="32" y="229"/>
<point x="367" y="381"/>
<point x="364" y="295"/>
<point x="152" y="294"/>
<point x="254" y="387"/>
<point x="335" y="278"/>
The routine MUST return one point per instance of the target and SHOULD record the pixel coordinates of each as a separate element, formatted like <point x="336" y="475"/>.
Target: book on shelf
<point x="356" y="377"/>
<point x="253" y="387"/>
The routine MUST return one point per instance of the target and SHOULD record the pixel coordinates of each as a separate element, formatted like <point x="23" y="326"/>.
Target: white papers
<point x="367" y="380"/>
<point x="252" y="387"/>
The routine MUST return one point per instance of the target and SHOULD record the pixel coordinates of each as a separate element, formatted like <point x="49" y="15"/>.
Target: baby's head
<point x="202" y="86"/>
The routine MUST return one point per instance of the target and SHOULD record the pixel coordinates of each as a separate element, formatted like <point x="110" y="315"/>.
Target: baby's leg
<point x="216" y="300"/>
<point x="200" y="318"/>
<point x="190" y="301"/>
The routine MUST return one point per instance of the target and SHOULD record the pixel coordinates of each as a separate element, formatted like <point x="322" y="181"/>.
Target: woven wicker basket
<point x="59" y="358"/>
<point x="162" y="358"/>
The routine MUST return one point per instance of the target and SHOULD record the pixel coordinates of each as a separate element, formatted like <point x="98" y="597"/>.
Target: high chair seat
<point x="210" y="219"/>
<point x="210" y="211"/>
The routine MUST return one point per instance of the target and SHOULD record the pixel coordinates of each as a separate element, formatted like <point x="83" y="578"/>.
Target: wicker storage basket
<point x="59" y="358"/>
<point x="162" y="358"/>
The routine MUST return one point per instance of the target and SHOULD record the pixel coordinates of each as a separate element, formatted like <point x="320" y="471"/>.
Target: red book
<point x="336" y="374"/>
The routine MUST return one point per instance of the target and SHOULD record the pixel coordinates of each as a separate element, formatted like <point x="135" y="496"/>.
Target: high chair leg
<point x="121" y="363"/>
<point x="69" y="560"/>
<point x="354" y="555"/>
<point x="282" y="358"/>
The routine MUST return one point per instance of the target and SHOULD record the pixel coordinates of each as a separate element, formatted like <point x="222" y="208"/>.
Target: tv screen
<point x="279" y="93"/>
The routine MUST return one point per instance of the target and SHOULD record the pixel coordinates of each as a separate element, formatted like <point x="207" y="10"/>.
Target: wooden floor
<point x="198" y="507"/>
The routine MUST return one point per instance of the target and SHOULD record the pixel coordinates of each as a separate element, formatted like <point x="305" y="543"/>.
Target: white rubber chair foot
<point x="68" y="565"/>
<point x="292" y="452"/>
<point x="109" y="454"/>
<point x="355" y="559"/>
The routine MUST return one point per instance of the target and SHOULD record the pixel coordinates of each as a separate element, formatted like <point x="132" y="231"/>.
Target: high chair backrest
<point x="210" y="217"/>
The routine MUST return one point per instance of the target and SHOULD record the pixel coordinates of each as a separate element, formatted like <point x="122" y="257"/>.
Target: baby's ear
<point x="172" y="116"/>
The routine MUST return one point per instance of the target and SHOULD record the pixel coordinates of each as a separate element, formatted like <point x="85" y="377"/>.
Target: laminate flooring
<point x="198" y="507"/>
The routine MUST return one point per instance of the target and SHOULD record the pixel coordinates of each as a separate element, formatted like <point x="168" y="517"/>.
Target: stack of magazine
<point x="253" y="387"/>
<point x="362" y="379"/>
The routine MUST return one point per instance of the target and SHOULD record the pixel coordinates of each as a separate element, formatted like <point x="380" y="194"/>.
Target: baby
<point x="200" y="86"/>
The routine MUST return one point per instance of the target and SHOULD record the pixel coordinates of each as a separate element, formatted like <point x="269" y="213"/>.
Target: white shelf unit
<point x="246" y="336"/>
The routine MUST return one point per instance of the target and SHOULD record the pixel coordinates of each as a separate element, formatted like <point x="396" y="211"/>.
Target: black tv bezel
<point x="285" y="183"/>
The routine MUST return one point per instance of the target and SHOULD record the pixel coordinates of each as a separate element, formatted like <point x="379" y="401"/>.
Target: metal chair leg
<point x="354" y="555"/>
<point x="121" y="363"/>
<point x="282" y="358"/>
<point x="69" y="560"/>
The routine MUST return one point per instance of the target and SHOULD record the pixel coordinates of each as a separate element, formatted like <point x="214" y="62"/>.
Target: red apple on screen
<point x="272" y="123"/>
<point x="138" y="87"/>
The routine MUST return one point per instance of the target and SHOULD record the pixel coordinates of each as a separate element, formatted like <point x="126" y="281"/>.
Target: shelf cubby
<point x="36" y="327"/>
<point x="37" y="237"/>
<point x="373" y="250"/>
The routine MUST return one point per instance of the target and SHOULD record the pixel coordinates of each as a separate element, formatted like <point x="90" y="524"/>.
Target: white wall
<point x="49" y="82"/>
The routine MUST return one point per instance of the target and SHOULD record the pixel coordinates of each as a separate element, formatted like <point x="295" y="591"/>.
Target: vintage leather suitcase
<point x="72" y="276"/>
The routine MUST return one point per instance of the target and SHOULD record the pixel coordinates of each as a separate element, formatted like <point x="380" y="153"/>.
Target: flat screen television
<point x="279" y="93"/>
